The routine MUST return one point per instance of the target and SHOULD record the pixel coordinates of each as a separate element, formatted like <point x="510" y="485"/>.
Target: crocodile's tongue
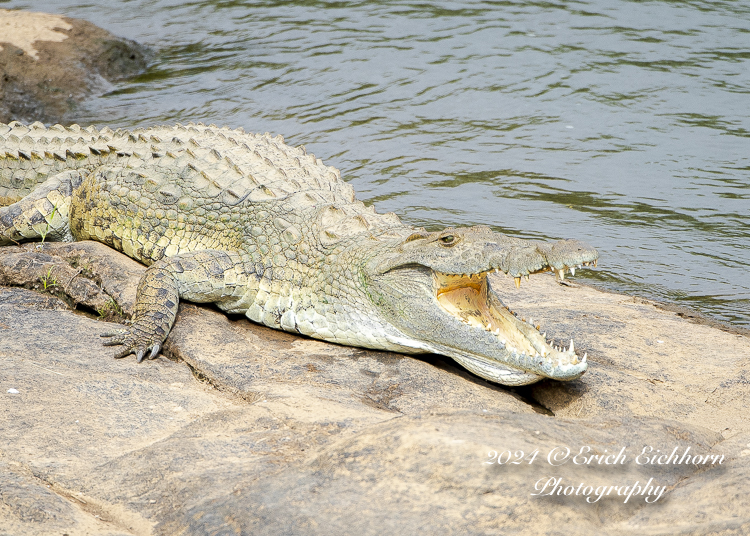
<point x="470" y="299"/>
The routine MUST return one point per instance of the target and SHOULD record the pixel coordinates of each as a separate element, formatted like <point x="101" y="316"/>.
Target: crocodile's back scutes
<point x="228" y="166"/>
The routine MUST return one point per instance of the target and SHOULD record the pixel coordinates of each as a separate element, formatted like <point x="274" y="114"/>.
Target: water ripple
<point x="624" y="123"/>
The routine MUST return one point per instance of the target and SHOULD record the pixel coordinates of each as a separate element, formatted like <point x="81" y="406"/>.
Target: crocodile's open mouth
<point x="470" y="299"/>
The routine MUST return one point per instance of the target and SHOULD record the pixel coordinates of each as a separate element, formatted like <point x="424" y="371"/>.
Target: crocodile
<point x="265" y="229"/>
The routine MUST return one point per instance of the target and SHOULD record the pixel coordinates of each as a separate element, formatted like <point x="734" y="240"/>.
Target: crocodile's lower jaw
<point x="467" y="297"/>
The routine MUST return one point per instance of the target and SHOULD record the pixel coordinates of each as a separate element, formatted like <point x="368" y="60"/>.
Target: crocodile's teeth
<point x="572" y="270"/>
<point x="571" y="350"/>
<point x="583" y="359"/>
<point x="517" y="279"/>
<point x="561" y="274"/>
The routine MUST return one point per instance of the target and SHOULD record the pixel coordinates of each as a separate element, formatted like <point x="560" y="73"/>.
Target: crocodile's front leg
<point x="198" y="276"/>
<point x="44" y="213"/>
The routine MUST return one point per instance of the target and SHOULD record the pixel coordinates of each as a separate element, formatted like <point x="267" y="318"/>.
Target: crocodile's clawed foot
<point x="155" y="312"/>
<point x="135" y="341"/>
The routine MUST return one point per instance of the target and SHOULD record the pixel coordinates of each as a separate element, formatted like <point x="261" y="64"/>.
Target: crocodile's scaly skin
<point x="261" y="228"/>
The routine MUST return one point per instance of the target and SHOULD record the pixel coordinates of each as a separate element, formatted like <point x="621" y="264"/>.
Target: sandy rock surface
<point x="245" y="430"/>
<point x="49" y="65"/>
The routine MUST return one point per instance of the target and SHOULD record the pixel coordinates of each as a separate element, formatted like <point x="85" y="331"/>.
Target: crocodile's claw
<point x="135" y="340"/>
<point x="155" y="312"/>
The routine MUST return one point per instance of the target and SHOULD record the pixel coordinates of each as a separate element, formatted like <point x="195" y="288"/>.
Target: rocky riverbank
<point x="249" y="430"/>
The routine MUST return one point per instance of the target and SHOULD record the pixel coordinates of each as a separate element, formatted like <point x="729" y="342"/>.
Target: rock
<point x="81" y="273"/>
<point x="253" y="431"/>
<point x="49" y="64"/>
<point x="644" y="360"/>
<point x="428" y="474"/>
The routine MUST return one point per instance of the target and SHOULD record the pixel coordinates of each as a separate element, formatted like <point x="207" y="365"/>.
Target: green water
<point x="625" y="124"/>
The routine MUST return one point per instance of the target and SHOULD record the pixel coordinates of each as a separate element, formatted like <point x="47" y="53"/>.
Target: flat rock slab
<point x="644" y="360"/>
<point x="49" y="64"/>
<point x="247" y="430"/>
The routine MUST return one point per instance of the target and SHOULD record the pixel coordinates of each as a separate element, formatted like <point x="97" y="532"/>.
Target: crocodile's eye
<point x="448" y="240"/>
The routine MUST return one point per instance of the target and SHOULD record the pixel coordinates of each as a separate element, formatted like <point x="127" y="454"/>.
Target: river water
<point x="625" y="124"/>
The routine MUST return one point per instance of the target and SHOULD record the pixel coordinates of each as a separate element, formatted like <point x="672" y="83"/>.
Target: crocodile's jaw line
<point x="469" y="323"/>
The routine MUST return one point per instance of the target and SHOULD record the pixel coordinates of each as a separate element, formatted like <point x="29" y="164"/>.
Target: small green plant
<point x="49" y="280"/>
<point x="110" y="308"/>
<point x="44" y="233"/>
